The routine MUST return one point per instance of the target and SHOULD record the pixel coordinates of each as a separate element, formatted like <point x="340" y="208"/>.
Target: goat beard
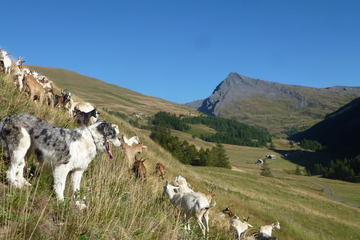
<point x="108" y="149"/>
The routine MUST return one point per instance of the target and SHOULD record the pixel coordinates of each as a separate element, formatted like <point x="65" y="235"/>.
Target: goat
<point x="19" y="62"/>
<point x="47" y="85"/>
<point x="14" y="65"/>
<point x="20" y="67"/>
<point x="35" y="75"/>
<point x="131" y="141"/>
<point x="183" y="185"/>
<point x="236" y="223"/>
<point x="253" y="234"/>
<point x="160" y="170"/>
<point x="6" y="61"/>
<point x="130" y="151"/>
<point x="50" y="97"/>
<point x="209" y="195"/>
<point x="83" y="106"/>
<point x="139" y="168"/>
<point x="19" y="79"/>
<point x="83" y="118"/>
<point x="63" y="99"/>
<point x="267" y="229"/>
<point x="33" y="88"/>
<point x="192" y="205"/>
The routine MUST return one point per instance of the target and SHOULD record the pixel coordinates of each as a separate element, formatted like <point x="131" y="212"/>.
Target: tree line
<point x="229" y="131"/>
<point x="343" y="169"/>
<point x="188" y="153"/>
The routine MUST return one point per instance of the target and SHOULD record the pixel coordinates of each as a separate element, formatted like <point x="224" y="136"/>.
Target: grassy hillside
<point x="109" y="95"/>
<point x="119" y="207"/>
<point x="281" y="115"/>
<point x="339" y="132"/>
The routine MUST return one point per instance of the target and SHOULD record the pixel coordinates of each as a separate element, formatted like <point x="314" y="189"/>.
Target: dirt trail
<point x="329" y="193"/>
<point x="236" y="169"/>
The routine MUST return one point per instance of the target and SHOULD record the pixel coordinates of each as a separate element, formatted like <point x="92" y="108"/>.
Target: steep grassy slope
<point x="339" y="132"/>
<point x="109" y="95"/>
<point x="119" y="207"/>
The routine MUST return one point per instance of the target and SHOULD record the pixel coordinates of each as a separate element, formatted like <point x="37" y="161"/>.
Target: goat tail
<point x="210" y="206"/>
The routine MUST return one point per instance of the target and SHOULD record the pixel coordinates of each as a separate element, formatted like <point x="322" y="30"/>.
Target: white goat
<point x="183" y="185"/>
<point x="235" y="222"/>
<point x="267" y="229"/>
<point x="26" y="70"/>
<point x="35" y="75"/>
<point x="131" y="141"/>
<point x="19" y="62"/>
<point x="192" y="205"/>
<point x="6" y="60"/>
<point x="18" y="79"/>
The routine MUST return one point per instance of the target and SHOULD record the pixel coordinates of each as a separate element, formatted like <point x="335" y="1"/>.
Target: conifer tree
<point x="222" y="160"/>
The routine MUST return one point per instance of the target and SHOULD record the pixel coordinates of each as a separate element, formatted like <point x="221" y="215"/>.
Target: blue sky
<point x="180" y="50"/>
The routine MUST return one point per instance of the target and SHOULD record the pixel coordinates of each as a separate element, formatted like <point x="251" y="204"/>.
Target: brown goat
<point x="139" y="168"/>
<point x="160" y="170"/>
<point x="33" y="88"/>
<point x="131" y="151"/>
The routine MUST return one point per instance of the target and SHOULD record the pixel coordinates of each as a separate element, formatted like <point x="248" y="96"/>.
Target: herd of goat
<point x="193" y="204"/>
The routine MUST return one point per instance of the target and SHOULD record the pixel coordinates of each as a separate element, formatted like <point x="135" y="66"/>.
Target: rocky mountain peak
<point x="236" y="95"/>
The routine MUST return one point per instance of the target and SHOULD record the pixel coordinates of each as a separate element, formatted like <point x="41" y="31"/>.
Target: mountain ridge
<point x="233" y="96"/>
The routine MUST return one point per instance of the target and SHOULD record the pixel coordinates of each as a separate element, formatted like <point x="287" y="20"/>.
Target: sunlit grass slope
<point x="110" y="96"/>
<point x="119" y="207"/>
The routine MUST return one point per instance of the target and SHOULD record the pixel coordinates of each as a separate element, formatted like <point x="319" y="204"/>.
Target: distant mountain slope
<point x="273" y="106"/>
<point x="340" y="131"/>
<point x="110" y="96"/>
